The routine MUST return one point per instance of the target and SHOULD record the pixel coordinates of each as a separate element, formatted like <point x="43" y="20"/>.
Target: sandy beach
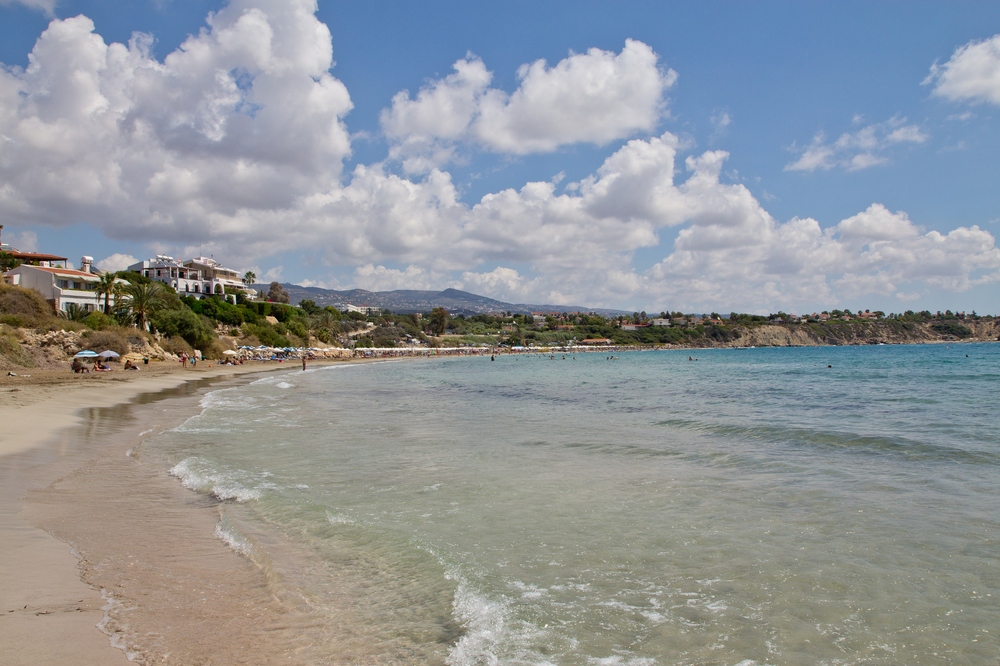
<point x="49" y="614"/>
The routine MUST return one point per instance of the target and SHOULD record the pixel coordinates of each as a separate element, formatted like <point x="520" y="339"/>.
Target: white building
<point x="185" y="281"/>
<point x="196" y="277"/>
<point x="366" y="310"/>
<point x="61" y="286"/>
<point x="217" y="278"/>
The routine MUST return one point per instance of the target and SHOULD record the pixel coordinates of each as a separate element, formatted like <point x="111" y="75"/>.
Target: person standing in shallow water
<point x="303" y="364"/>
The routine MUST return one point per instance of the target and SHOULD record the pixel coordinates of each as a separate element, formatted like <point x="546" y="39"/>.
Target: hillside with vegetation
<point x="151" y="319"/>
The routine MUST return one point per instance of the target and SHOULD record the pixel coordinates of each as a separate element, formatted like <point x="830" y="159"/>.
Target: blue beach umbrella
<point x="86" y="353"/>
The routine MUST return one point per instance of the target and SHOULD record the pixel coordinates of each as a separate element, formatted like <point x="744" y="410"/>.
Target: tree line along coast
<point x="150" y="318"/>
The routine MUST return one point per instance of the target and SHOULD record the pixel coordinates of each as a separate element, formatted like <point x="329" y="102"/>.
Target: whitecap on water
<point x="234" y="540"/>
<point x="484" y="622"/>
<point x="623" y="661"/>
<point x="197" y="474"/>
<point x="339" y="519"/>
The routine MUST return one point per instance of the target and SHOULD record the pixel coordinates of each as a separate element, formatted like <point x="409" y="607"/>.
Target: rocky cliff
<point x="859" y="333"/>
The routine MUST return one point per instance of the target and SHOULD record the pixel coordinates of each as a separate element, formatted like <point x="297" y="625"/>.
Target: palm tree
<point x="144" y="301"/>
<point x="74" y="312"/>
<point x="107" y="287"/>
<point x="249" y="278"/>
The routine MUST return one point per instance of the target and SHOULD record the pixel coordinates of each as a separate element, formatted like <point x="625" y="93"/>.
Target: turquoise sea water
<point x="752" y="506"/>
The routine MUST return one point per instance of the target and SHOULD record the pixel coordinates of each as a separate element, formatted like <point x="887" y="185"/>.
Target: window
<point x="62" y="284"/>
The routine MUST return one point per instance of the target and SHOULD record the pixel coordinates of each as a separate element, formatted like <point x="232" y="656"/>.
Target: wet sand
<point x="81" y="513"/>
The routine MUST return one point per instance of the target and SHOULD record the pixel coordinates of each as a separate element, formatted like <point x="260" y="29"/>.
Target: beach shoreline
<point x="49" y="613"/>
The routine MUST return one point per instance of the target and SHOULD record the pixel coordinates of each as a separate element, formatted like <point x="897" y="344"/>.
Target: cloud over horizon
<point x="235" y="143"/>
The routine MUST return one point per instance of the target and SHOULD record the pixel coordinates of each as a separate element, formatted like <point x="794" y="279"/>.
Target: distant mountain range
<point x="405" y="301"/>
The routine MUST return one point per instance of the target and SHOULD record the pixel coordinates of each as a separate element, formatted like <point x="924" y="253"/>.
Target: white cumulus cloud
<point x="593" y="97"/>
<point x="234" y="144"/>
<point x="116" y="262"/>
<point x="972" y="74"/>
<point x="241" y="119"/>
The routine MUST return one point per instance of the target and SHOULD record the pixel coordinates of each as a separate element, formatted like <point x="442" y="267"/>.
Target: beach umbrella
<point x="230" y="352"/>
<point x="86" y="353"/>
<point x="107" y="353"/>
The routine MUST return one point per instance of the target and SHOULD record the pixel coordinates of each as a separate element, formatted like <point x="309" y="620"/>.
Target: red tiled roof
<point x="35" y="256"/>
<point x="65" y="271"/>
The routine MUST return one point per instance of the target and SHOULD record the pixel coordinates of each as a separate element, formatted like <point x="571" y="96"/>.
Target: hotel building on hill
<point x="196" y="277"/>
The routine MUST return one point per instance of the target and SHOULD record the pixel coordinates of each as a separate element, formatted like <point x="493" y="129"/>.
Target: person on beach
<point x="303" y="364"/>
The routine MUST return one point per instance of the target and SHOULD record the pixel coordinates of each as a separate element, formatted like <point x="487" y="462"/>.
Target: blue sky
<point x="686" y="156"/>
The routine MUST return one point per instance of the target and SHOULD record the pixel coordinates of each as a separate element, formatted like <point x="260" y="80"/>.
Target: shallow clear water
<point x="753" y="506"/>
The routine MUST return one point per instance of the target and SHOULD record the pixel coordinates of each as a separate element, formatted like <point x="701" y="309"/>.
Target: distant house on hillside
<point x="366" y="310"/>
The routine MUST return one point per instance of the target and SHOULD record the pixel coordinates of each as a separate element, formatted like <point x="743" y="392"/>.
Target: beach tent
<point x="107" y="353"/>
<point x="86" y="353"/>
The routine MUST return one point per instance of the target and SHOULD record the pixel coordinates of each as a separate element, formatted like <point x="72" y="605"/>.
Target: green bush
<point x="297" y="328"/>
<point x="98" y="321"/>
<point x="217" y="309"/>
<point x="309" y="306"/>
<point x="283" y="313"/>
<point x="952" y="328"/>
<point x="266" y="334"/>
<point x="195" y="330"/>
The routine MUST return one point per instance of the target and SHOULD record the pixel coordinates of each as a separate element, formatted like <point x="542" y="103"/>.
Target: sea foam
<point x="234" y="540"/>
<point x="195" y="474"/>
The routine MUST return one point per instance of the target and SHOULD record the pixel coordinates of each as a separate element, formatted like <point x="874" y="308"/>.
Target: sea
<point x="825" y="505"/>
